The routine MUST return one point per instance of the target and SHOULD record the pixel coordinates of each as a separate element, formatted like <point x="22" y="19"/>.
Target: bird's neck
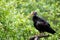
<point x="35" y="18"/>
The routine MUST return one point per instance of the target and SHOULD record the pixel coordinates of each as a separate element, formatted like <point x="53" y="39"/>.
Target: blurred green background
<point x="16" y="24"/>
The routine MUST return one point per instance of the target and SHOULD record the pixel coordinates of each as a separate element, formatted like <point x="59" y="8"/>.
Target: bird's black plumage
<point x="41" y="25"/>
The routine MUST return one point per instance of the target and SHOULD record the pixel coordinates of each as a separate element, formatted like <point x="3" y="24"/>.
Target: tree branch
<point x="38" y="37"/>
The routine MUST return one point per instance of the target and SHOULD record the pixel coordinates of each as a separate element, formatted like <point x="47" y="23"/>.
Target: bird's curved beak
<point x="30" y="15"/>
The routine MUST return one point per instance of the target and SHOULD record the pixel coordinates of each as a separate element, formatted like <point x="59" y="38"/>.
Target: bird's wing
<point x="45" y="26"/>
<point x="43" y="22"/>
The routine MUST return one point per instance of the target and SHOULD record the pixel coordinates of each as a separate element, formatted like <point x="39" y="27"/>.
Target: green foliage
<point x="16" y="24"/>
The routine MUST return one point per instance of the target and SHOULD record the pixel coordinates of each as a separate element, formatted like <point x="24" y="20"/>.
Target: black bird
<point x="41" y="25"/>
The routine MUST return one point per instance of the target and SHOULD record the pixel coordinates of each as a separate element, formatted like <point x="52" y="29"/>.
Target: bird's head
<point x="34" y="13"/>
